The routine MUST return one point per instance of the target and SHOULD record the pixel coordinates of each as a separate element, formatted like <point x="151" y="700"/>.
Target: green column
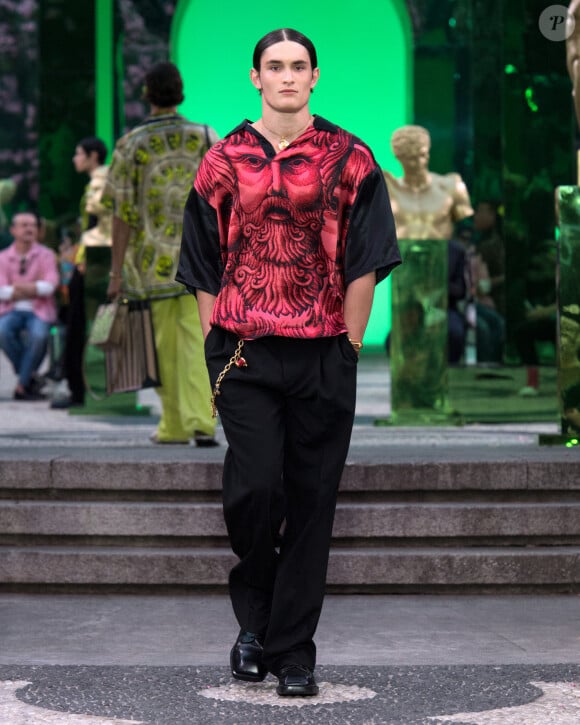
<point x="104" y="72"/>
<point x="568" y="296"/>
<point x="418" y="345"/>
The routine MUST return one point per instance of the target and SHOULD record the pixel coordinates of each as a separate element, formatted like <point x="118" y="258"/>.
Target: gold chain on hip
<point x="237" y="360"/>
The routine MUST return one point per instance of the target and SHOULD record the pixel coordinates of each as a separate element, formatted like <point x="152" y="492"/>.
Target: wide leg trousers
<point x="185" y="392"/>
<point x="288" y="418"/>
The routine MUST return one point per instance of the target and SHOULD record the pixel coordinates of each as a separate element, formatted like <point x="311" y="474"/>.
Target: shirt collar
<point x="319" y="123"/>
<point x="14" y="254"/>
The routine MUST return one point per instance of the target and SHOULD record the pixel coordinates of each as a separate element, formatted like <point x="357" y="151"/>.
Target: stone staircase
<point x="400" y="527"/>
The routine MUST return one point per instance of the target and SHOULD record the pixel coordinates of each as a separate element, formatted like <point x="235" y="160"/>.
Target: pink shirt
<point x="41" y="265"/>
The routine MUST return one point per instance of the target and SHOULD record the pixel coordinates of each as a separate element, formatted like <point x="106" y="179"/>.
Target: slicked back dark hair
<point x="277" y="36"/>
<point x="164" y="85"/>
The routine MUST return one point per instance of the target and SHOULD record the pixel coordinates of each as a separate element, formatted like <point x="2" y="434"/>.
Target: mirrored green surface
<point x="569" y="309"/>
<point x="418" y="340"/>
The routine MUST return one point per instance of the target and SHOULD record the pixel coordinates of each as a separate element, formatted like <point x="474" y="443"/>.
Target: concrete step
<point x="361" y="521"/>
<point x="489" y="524"/>
<point x="409" y="569"/>
<point x="524" y="473"/>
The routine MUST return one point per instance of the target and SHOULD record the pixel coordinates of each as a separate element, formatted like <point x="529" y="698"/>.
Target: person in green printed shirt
<point x="151" y="173"/>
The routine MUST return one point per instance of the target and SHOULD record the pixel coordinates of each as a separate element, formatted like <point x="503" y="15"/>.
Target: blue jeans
<point x="24" y="340"/>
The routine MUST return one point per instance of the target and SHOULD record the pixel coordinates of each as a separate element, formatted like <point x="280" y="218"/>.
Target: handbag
<point x="132" y="364"/>
<point x="109" y="325"/>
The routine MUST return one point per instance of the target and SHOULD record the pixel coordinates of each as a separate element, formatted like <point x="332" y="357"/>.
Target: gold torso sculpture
<point x="428" y="212"/>
<point x="425" y="205"/>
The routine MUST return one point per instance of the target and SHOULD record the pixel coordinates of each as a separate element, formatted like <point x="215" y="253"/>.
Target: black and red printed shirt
<point x="278" y="236"/>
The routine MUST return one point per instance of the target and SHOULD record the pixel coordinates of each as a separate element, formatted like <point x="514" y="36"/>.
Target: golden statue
<point x="425" y="205"/>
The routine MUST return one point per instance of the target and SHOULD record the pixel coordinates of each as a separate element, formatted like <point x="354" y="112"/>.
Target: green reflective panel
<point x="104" y="75"/>
<point x="418" y="344"/>
<point x="568" y="338"/>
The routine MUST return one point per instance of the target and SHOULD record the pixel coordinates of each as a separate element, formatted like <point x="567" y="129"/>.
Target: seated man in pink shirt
<point x="28" y="280"/>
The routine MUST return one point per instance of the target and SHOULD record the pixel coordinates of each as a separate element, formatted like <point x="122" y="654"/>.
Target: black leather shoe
<point x="246" y="658"/>
<point x="297" y="681"/>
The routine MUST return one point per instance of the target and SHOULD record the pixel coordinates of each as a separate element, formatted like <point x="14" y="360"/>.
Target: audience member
<point x="487" y="266"/>
<point x="538" y="326"/>
<point x="28" y="280"/>
<point x="539" y="319"/>
<point x="89" y="158"/>
<point x="490" y="245"/>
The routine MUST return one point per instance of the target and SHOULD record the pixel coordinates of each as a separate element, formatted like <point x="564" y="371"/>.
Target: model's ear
<point x="315" y="77"/>
<point x="255" y="78"/>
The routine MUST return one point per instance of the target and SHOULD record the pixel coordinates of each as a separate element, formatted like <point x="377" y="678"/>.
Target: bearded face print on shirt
<point x="283" y="222"/>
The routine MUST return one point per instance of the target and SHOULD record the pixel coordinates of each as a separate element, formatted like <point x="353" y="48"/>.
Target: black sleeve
<point x="200" y="265"/>
<point x="371" y="242"/>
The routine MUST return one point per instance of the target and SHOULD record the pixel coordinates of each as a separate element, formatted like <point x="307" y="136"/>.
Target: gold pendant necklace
<point x="283" y="143"/>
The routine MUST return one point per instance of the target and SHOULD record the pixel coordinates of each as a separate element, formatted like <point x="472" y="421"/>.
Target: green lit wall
<point x="104" y="78"/>
<point x="365" y="57"/>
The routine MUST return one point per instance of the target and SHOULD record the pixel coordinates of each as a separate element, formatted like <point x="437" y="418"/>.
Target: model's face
<point x="286" y="77"/>
<point x="81" y="160"/>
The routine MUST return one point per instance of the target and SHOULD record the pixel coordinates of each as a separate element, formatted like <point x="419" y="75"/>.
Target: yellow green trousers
<point x="185" y="390"/>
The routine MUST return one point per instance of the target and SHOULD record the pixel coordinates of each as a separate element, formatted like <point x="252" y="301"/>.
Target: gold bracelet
<point x="357" y="344"/>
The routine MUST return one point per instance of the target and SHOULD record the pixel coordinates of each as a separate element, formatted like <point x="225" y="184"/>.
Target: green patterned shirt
<point x="150" y="177"/>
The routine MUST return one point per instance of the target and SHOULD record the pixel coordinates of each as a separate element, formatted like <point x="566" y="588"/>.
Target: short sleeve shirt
<point x="277" y="237"/>
<point x="151" y="174"/>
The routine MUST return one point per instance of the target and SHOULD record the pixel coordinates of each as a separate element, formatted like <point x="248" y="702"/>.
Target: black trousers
<point x="288" y="419"/>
